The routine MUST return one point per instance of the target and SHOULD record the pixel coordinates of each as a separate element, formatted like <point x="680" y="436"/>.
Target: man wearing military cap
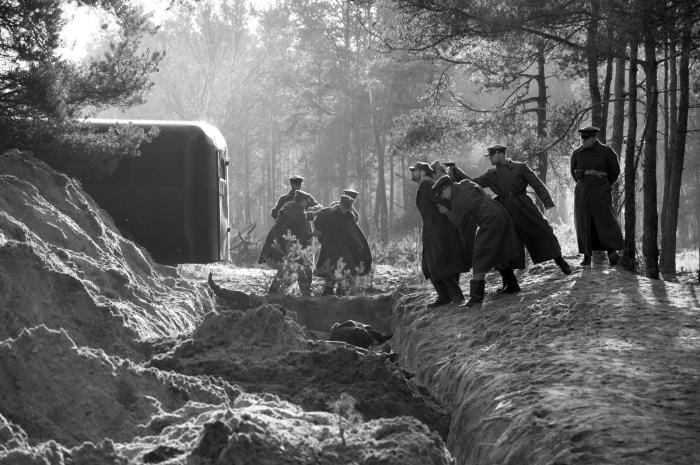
<point x="594" y="167"/>
<point x="509" y="181"/>
<point x="292" y="224"/>
<point x="455" y="172"/>
<point x="295" y="182"/>
<point x="353" y="194"/>
<point x="468" y="226"/>
<point x="496" y="244"/>
<point x="444" y="255"/>
<point x="341" y="239"/>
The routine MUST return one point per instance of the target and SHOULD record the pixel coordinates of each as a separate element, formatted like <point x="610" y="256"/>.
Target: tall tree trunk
<point x="671" y="110"/>
<point x="592" y="62"/>
<point x="391" y="188"/>
<point x="246" y="179"/>
<point x="380" y="209"/>
<point x="650" y="247"/>
<point x="603" y="136"/>
<point x="629" y="253"/>
<point x="541" y="116"/>
<point x="618" y="121"/>
<point x="668" y="238"/>
<point x="541" y="111"/>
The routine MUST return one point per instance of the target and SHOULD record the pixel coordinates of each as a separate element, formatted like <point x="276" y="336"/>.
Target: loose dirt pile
<point x="599" y="367"/>
<point x="83" y="310"/>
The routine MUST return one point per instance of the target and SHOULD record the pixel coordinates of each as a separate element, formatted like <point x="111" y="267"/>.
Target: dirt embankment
<point x="84" y="309"/>
<point x="600" y="367"/>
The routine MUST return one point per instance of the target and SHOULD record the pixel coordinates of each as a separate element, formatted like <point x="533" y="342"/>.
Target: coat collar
<point x="596" y="147"/>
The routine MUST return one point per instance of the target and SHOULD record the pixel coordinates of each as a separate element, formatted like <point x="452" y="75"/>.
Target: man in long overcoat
<point x="509" y="180"/>
<point x="293" y="218"/>
<point x="444" y="256"/>
<point x="594" y="167"/>
<point x="496" y="244"/>
<point x="341" y="239"/>
<point x="467" y="227"/>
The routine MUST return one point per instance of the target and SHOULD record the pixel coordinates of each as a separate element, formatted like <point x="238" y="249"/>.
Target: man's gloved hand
<point x="310" y="216"/>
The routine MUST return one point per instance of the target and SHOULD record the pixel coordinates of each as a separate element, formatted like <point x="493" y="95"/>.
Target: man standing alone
<point x="509" y="180"/>
<point x="595" y="168"/>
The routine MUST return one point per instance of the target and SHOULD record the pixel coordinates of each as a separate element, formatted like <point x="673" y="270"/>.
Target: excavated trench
<point x="298" y="363"/>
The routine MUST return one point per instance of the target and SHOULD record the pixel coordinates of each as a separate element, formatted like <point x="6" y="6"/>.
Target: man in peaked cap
<point x="292" y="225"/>
<point x="496" y="244"/>
<point x="353" y="194"/>
<point x="295" y="183"/>
<point x="509" y="180"/>
<point x="594" y="167"/>
<point x="468" y="226"/>
<point x="341" y="240"/>
<point x="455" y="172"/>
<point x="444" y="255"/>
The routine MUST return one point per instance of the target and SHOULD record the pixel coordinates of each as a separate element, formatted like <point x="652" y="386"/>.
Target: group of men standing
<point x="464" y="228"/>
<point x="344" y="254"/>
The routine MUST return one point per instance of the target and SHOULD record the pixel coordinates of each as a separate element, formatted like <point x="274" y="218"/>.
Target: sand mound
<point x="597" y="367"/>
<point x="82" y="307"/>
<point x="59" y="391"/>
<point x="64" y="264"/>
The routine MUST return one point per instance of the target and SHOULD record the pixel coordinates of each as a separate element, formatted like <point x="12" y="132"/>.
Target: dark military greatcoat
<point x="444" y="254"/>
<point x="291" y="219"/>
<point x="341" y="237"/>
<point x="595" y="169"/>
<point x="509" y="181"/>
<point x="496" y="243"/>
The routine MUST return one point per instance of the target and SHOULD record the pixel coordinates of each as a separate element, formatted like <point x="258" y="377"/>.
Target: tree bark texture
<point x="650" y="247"/>
<point x="618" y="122"/>
<point x="629" y="253"/>
<point x="677" y="158"/>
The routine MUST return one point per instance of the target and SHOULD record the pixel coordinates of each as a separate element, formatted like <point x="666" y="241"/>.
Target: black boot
<point x="613" y="257"/>
<point x="586" y="260"/>
<point x="476" y="292"/>
<point x="455" y="292"/>
<point x="563" y="265"/>
<point x="511" y="282"/>
<point x="443" y="293"/>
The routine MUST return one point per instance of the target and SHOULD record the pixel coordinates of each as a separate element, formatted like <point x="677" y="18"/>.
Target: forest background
<point x="351" y="93"/>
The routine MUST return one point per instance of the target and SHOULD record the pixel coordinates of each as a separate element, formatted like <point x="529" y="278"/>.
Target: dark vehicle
<point x="173" y="199"/>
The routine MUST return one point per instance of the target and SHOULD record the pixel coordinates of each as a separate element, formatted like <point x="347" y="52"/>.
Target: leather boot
<point x="613" y="257"/>
<point x="586" y="260"/>
<point x="456" y="294"/>
<point x="476" y="293"/>
<point x="443" y="293"/>
<point x="510" y="281"/>
<point x="563" y="265"/>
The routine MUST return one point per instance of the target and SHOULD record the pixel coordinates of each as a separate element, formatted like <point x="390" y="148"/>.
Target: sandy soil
<point x="88" y="318"/>
<point x="600" y="367"/>
<point x="109" y="358"/>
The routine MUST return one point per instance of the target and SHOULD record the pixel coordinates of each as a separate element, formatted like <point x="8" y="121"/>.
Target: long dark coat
<point x="468" y="226"/>
<point x="496" y="243"/>
<point x="291" y="218"/>
<point x="444" y="254"/>
<point x="341" y="236"/>
<point x="509" y="181"/>
<point x="596" y="225"/>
